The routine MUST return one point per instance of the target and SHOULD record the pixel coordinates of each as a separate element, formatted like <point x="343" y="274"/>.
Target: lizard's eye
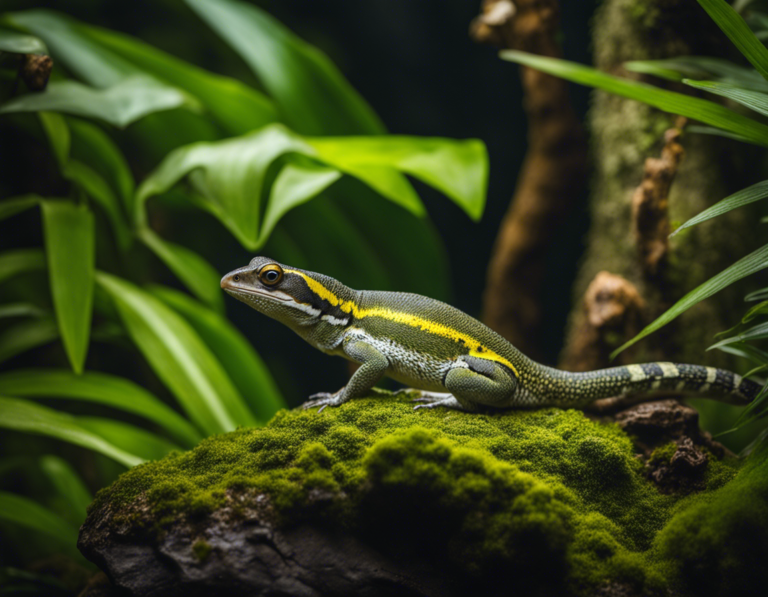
<point x="271" y="274"/>
<point x="236" y="278"/>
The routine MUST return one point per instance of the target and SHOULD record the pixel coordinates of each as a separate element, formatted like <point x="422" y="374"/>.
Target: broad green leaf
<point x="125" y="102"/>
<point x="459" y="169"/>
<point x="100" y="388"/>
<point x="27" y="335"/>
<point x="56" y="129"/>
<point x="757" y="295"/>
<point x="70" y="250"/>
<point x="20" y="310"/>
<point x="20" y="43"/>
<point x="86" y="59"/>
<point x="668" y="101"/>
<point x="700" y="67"/>
<point x="244" y="366"/>
<point x="743" y="197"/>
<point x="237" y="107"/>
<point x="754" y="262"/>
<point x="754" y="333"/>
<point x="68" y="486"/>
<point x="295" y="184"/>
<point x="130" y="438"/>
<point x="756" y="311"/>
<point x="28" y="417"/>
<point x="737" y="30"/>
<point x="755" y="100"/>
<point x="195" y="272"/>
<point x="14" y="205"/>
<point x="17" y="261"/>
<point x="97" y="188"/>
<point x="310" y="92"/>
<point x="20" y="510"/>
<point x="229" y="175"/>
<point x="92" y="146"/>
<point x="179" y="358"/>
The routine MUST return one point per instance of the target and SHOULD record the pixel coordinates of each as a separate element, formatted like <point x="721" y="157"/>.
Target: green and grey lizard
<point x="456" y="361"/>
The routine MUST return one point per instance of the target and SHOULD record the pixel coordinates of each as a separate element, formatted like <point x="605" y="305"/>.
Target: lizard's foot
<point x="323" y="399"/>
<point x="433" y="399"/>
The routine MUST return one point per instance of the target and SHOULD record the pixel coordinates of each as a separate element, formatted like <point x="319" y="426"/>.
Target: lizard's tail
<point x="650" y="378"/>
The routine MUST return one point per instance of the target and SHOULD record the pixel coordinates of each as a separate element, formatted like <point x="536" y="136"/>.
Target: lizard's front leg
<point x="373" y="365"/>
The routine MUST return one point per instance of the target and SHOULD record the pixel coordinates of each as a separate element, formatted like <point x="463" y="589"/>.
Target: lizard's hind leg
<point x="475" y="381"/>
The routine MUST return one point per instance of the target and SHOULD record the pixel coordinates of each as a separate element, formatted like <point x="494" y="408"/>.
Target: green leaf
<point x="743" y="197"/>
<point x="56" y="130"/>
<point x="311" y="93"/>
<point x="20" y="510"/>
<point x="194" y="271"/>
<point x="459" y="169"/>
<point x="14" y="205"/>
<point x="237" y="107"/>
<point x="92" y="146"/>
<point x="754" y="262"/>
<point x="179" y="358"/>
<point x="754" y="333"/>
<point x="20" y="310"/>
<point x="100" y="388"/>
<point x="737" y="30"/>
<point x="746" y="351"/>
<point x="668" y="101"/>
<point x="25" y="336"/>
<point x="25" y="416"/>
<point x="230" y="176"/>
<point x="700" y="67"/>
<point x="125" y="102"/>
<point x="755" y="100"/>
<point x="70" y="249"/>
<point x="710" y="130"/>
<point x="68" y="485"/>
<point x="756" y="311"/>
<point x="130" y="438"/>
<point x="757" y="295"/>
<point x="17" y="261"/>
<point x="97" y="188"/>
<point x="295" y="184"/>
<point x="20" y="43"/>
<point x="235" y="353"/>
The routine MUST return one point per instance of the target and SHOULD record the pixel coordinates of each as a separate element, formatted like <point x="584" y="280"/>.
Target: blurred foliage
<point x="742" y="85"/>
<point x="304" y="141"/>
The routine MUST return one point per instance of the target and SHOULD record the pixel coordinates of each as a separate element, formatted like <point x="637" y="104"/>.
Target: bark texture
<point x="552" y="175"/>
<point x="624" y="134"/>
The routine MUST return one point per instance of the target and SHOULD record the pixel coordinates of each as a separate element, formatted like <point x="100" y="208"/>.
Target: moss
<point x="546" y="501"/>
<point x="202" y="549"/>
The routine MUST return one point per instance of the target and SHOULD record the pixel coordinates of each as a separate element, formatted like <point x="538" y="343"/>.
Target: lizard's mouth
<point x="269" y="295"/>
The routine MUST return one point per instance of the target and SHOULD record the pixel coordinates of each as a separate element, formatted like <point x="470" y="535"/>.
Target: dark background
<point x="414" y="62"/>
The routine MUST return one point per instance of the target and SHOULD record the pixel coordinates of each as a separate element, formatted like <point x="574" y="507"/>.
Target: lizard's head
<point x="278" y="291"/>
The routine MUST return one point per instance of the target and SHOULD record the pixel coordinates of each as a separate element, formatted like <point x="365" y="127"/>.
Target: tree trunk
<point x="624" y="134"/>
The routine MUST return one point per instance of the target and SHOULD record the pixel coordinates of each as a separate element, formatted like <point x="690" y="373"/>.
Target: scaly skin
<point x="456" y="361"/>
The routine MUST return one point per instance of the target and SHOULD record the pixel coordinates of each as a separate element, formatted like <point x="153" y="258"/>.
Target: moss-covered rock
<point x="545" y="502"/>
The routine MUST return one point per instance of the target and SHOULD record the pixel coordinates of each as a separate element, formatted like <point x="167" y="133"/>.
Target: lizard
<point x="450" y="358"/>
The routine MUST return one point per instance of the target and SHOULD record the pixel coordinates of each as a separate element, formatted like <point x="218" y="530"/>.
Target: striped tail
<point x="649" y="378"/>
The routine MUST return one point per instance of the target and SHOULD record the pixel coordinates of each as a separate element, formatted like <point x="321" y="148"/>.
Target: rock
<point x="372" y="498"/>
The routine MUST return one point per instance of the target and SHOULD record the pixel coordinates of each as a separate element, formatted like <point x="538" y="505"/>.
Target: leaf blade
<point x="752" y="193"/>
<point x="745" y="266"/>
<point x="668" y="101"/>
<point x="27" y="417"/>
<point x="20" y="510"/>
<point x="101" y="388"/>
<point x="71" y="255"/>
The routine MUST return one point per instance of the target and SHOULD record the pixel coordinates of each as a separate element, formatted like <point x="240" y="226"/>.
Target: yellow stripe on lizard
<point x="476" y="349"/>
